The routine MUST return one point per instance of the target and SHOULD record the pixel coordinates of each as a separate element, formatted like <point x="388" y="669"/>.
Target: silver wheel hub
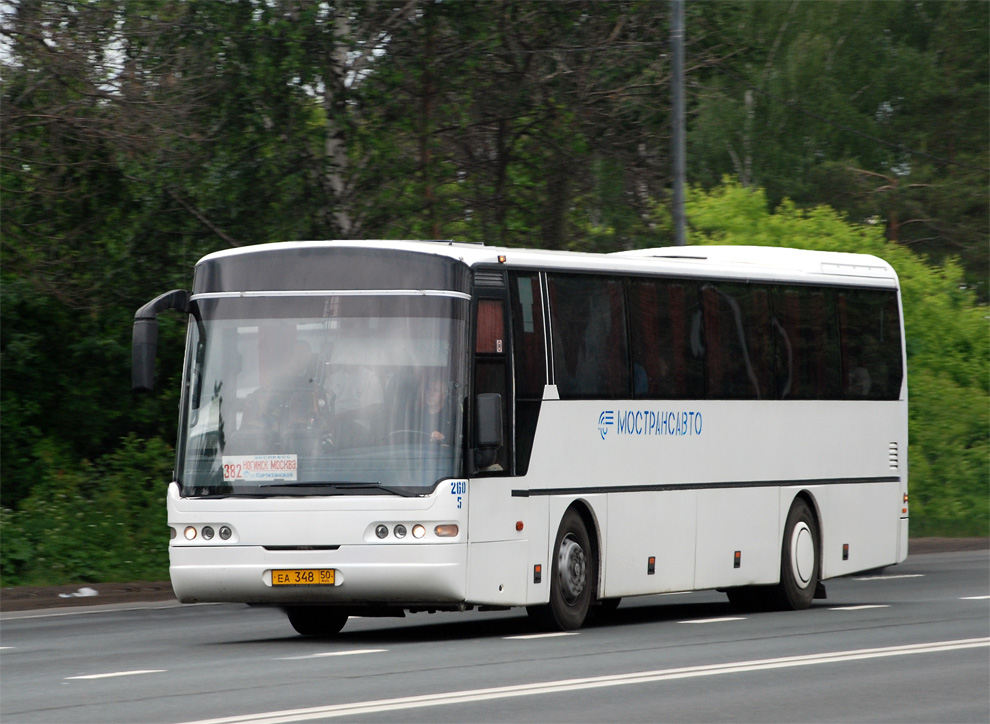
<point x="572" y="569"/>
<point x="803" y="554"/>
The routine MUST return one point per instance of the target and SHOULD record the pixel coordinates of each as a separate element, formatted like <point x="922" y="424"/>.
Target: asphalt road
<point x="908" y="644"/>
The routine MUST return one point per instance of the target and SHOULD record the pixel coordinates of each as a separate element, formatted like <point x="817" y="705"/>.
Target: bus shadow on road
<point x="447" y="626"/>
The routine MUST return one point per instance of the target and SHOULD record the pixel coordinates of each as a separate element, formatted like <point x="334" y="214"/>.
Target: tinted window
<point x="870" y="345"/>
<point x="666" y="339"/>
<point x="737" y="334"/>
<point x="589" y="336"/>
<point x="720" y="340"/>
<point x="806" y="344"/>
<point x="527" y="329"/>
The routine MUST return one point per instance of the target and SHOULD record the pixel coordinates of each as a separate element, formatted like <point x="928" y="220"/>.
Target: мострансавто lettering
<point x="651" y="422"/>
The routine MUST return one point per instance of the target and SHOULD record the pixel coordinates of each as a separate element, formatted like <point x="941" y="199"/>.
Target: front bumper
<point x="365" y="574"/>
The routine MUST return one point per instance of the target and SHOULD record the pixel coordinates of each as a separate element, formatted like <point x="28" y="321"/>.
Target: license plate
<point x="303" y="577"/>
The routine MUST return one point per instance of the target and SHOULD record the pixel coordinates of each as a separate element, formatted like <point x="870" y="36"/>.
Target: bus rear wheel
<point x="573" y="577"/>
<point x="799" y="568"/>
<point x="316" y="620"/>
<point x="799" y="559"/>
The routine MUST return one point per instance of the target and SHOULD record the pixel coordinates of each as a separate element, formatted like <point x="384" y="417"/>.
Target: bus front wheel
<point x="573" y="577"/>
<point x="316" y="620"/>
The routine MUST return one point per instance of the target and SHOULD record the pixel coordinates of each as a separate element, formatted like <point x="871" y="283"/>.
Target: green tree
<point x="101" y="521"/>
<point x="878" y="109"/>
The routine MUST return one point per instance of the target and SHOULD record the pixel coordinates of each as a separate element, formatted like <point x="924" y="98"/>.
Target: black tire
<point x="316" y="620"/>
<point x="800" y="559"/>
<point x="573" y="577"/>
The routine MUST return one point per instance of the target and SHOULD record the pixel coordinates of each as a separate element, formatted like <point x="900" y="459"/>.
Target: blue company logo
<point x="605" y="421"/>
<point x="650" y="423"/>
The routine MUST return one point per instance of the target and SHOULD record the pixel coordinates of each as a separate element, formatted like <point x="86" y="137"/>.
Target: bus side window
<point x="737" y="328"/>
<point x="789" y="344"/>
<point x="651" y="366"/>
<point x="591" y="352"/>
<point x="827" y="372"/>
<point x="666" y="340"/>
<point x="806" y="344"/>
<point x="871" y="342"/>
<point x="529" y="361"/>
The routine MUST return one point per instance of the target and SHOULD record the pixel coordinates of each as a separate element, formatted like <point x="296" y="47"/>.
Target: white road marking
<point x="889" y="578"/>
<point x="118" y="673"/>
<point x="331" y="653"/>
<point x="102" y="608"/>
<point x="860" y="608"/>
<point x="380" y="706"/>
<point x="715" y="620"/>
<point x="540" y="636"/>
<point x="974" y="598"/>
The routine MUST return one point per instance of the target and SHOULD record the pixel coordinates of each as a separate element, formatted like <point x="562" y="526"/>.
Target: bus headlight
<point x="189" y="533"/>
<point x="418" y="531"/>
<point x="446" y="531"/>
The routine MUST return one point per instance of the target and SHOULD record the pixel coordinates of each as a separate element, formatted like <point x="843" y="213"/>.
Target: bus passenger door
<point x="498" y="554"/>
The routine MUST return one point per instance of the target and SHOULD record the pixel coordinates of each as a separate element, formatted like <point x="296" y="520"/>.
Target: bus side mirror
<point x="488" y="428"/>
<point x="144" y="337"/>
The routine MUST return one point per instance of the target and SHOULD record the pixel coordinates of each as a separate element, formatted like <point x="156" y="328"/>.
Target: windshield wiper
<point x="319" y="487"/>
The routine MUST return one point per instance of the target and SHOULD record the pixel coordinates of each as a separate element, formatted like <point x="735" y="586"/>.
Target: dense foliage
<point x="138" y="135"/>
<point x="85" y="521"/>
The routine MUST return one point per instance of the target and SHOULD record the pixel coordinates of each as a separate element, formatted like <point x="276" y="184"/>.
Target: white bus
<point x="376" y="427"/>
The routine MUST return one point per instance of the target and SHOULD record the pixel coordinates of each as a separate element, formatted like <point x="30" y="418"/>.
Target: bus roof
<point x="762" y="263"/>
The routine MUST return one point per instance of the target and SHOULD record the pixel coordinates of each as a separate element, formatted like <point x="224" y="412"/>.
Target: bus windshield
<point x="322" y="393"/>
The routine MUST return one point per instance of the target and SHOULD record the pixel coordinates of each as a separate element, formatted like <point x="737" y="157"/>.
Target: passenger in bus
<point x="859" y="382"/>
<point x="868" y="372"/>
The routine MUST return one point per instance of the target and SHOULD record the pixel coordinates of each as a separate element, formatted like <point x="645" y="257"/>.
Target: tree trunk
<point x="336" y="212"/>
